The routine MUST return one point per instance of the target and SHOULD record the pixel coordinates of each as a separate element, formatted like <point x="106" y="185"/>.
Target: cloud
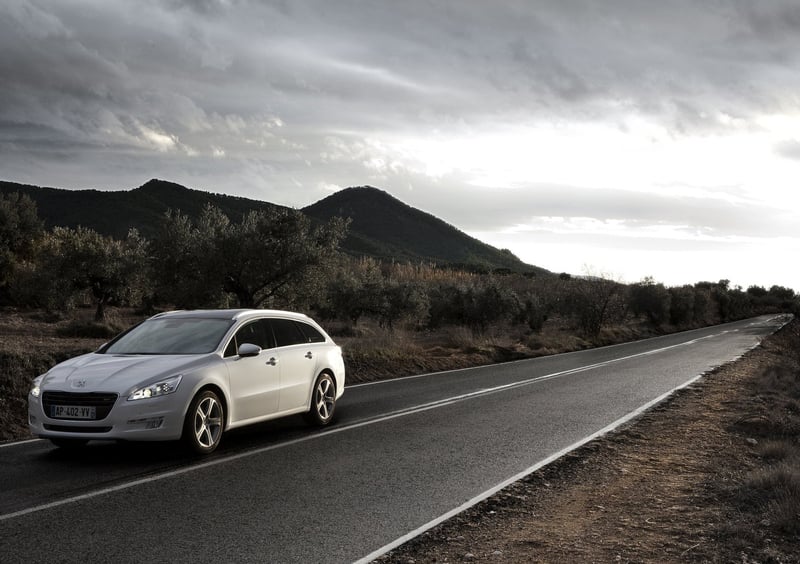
<point x="678" y="115"/>
<point x="633" y="212"/>
<point x="391" y="66"/>
<point x="789" y="149"/>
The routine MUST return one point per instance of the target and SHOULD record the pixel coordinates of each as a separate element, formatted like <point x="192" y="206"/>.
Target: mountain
<point x="114" y="213"/>
<point x="381" y="225"/>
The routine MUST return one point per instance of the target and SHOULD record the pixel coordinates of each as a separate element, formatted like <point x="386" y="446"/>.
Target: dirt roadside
<point x="667" y="487"/>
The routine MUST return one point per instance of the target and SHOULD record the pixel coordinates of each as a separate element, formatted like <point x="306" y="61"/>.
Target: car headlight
<point x="35" y="390"/>
<point x="161" y="388"/>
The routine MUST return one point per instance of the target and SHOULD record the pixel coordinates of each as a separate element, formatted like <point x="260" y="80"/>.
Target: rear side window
<point x="310" y="333"/>
<point x="256" y="333"/>
<point x="287" y="332"/>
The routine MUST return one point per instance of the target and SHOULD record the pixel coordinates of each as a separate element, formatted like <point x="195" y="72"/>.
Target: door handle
<point x="272" y="361"/>
<point x="309" y="355"/>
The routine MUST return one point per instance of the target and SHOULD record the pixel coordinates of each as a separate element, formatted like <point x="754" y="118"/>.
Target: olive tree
<point x="650" y="299"/>
<point x="184" y="259"/>
<point x="270" y="251"/>
<point x="477" y="304"/>
<point x="402" y="299"/>
<point x="354" y="290"/>
<point x="73" y="261"/>
<point x="270" y="254"/>
<point x="595" y="301"/>
<point x="20" y="230"/>
<point x="681" y="305"/>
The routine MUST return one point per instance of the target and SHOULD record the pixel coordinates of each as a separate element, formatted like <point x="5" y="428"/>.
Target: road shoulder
<point x="666" y="487"/>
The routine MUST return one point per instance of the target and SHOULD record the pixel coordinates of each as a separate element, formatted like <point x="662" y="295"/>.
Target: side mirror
<point x="249" y="349"/>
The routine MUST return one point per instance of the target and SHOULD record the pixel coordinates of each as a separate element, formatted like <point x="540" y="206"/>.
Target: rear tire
<point x="204" y="423"/>
<point x="323" y="401"/>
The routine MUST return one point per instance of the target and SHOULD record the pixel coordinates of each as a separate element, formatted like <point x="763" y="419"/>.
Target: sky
<point x="624" y="138"/>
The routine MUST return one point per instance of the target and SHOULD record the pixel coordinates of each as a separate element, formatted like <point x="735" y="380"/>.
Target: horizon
<point x="662" y="142"/>
<point x="584" y="274"/>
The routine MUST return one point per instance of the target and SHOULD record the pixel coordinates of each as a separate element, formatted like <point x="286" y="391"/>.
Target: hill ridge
<point x="408" y="232"/>
<point x="382" y="226"/>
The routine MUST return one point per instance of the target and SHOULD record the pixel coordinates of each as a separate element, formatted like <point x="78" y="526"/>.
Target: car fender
<point x="216" y="376"/>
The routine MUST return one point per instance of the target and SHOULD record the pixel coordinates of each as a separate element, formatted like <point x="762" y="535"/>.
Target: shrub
<point x="651" y="300"/>
<point x="533" y="314"/>
<point x="682" y="305"/>
<point x="776" y="490"/>
<point x="19" y="368"/>
<point x="88" y="330"/>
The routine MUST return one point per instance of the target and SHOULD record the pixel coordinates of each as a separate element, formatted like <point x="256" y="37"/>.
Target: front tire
<point x="204" y="423"/>
<point x="323" y="401"/>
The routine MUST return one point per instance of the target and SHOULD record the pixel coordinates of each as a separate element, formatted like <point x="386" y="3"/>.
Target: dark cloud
<point x="285" y="101"/>
<point x="343" y="65"/>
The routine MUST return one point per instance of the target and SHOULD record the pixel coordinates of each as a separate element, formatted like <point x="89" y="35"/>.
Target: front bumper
<point x="154" y="419"/>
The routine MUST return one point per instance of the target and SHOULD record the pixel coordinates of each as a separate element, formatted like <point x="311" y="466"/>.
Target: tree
<point x="402" y="299"/>
<point x="757" y="291"/>
<point x="594" y="302"/>
<point x="355" y="290"/>
<point x="785" y="299"/>
<point x="271" y="250"/>
<point x="681" y="305"/>
<point x="650" y="299"/>
<point x="81" y="260"/>
<point x="722" y="297"/>
<point x="489" y="303"/>
<point x="20" y="229"/>
<point x="477" y="303"/>
<point x="264" y="257"/>
<point x="703" y="304"/>
<point x="184" y="259"/>
<point x="533" y="313"/>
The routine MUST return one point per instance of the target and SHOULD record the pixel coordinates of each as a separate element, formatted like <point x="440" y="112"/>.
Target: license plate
<point x="73" y="412"/>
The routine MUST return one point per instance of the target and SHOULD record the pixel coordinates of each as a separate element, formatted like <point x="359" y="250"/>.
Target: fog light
<point x="151" y="423"/>
<point x="154" y="423"/>
<point x="32" y="419"/>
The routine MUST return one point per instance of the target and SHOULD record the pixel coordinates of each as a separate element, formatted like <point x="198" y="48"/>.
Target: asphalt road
<point x="402" y="455"/>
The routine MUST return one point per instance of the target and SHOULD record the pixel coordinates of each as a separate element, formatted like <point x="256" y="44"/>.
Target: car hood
<point x="118" y="373"/>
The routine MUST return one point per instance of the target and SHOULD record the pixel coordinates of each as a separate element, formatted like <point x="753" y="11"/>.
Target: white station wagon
<point x="191" y="375"/>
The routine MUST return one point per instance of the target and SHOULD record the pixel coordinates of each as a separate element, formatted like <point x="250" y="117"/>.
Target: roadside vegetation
<point x="768" y="498"/>
<point x="65" y="291"/>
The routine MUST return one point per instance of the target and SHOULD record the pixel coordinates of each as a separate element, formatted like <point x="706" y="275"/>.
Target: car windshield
<point x="186" y="335"/>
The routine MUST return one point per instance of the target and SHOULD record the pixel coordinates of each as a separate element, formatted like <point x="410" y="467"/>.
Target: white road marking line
<point x="485" y="366"/>
<point x="490" y="492"/>
<point x="782" y="320"/>
<point x="505" y="483"/>
<point x="401" y="413"/>
<point x="15" y="443"/>
<point x="379" y="419"/>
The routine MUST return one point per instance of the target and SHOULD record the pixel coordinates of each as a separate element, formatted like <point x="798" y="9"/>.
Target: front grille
<point x="68" y="429"/>
<point x="102" y="402"/>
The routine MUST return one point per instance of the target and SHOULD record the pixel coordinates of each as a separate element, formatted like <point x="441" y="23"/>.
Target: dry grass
<point x="769" y="495"/>
<point x="730" y="486"/>
<point x="31" y="343"/>
<point x="773" y="493"/>
<point x="373" y="352"/>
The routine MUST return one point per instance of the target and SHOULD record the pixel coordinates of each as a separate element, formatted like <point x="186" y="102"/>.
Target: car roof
<point x="229" y="314"/>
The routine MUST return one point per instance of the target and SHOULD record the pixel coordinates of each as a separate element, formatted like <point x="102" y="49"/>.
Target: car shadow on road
<point x="169" y="454"/>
